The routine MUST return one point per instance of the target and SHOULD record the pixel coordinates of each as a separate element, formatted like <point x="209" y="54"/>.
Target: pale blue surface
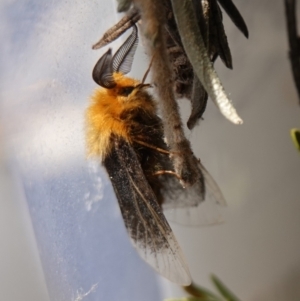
<point x="79" y="231"/>
<point x="80" y="248"/>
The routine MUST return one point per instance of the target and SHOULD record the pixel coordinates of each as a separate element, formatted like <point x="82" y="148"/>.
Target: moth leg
<point x="161" y="150"/>
<point x="168" y="172"/>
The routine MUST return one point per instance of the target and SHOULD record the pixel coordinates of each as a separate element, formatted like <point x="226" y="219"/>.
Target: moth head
<point x="126" y="86"/>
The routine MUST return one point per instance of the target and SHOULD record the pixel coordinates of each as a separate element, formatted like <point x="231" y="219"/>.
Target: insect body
<point x="123" y="129"/>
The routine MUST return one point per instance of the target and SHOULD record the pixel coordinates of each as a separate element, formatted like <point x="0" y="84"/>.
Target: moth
<point x="126" y="134"/>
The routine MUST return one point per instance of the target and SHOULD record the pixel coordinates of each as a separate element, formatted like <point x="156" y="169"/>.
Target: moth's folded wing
<point x="187" y="206"/>
<point x="212" y="189"/>
<point x="147" y="226"/>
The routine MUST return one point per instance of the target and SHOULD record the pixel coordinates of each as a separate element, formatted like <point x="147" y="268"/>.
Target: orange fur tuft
<point x="103" y="116"/>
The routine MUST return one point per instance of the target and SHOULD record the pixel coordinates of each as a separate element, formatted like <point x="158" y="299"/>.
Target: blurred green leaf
<point x="201" y="293"/>
<point x="295" y="134"/>
<point x="223" y="290"/>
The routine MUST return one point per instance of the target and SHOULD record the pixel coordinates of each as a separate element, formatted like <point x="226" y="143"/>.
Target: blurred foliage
<point x="198" y="293"/>
<point x="295" y="134"/>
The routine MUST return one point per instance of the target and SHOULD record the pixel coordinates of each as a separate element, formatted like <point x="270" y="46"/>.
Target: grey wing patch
<point x="147" y="226"/>
<point x="186" y="206"/>
<point x="213" y="190"/>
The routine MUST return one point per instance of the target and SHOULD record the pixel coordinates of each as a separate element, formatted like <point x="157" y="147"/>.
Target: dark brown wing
<point x="147" y="226"/>
<point x="196" y="205"/>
